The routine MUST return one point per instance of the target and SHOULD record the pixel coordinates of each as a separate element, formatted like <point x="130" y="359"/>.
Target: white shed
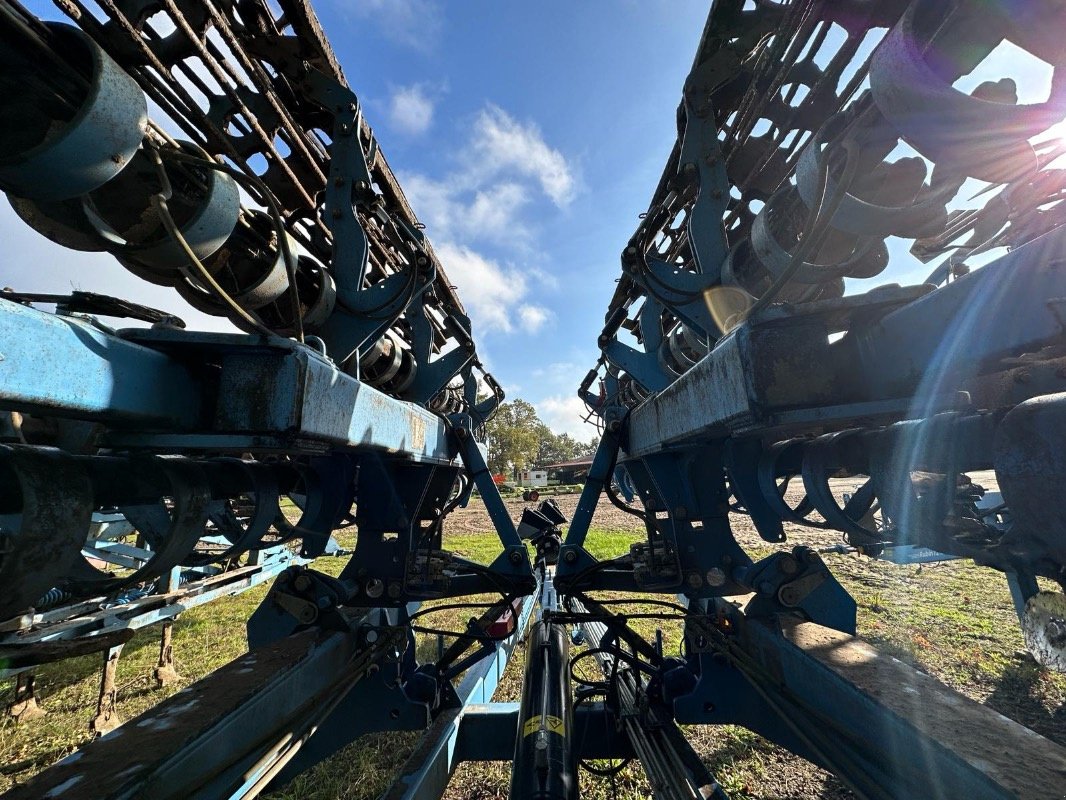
<point x="533" y="477"/>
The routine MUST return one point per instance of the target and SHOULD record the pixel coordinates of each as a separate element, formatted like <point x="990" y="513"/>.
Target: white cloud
<point x="411" y="109"/>
<point x="489" y="291"/>
<point x="502" y="145"/>
<point x="566" y="414"/>
<point x="533" y="317"/>
<point x="494" y="211"/>
<point x="503" y="167"/>
<point x="413" y="23"/>
<point x="488" y="214"/>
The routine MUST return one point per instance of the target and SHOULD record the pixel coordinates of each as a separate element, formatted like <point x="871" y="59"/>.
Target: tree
<point x="514" y="437"/>
<point x="587" y="450"/>
<point x="556" y="448"/>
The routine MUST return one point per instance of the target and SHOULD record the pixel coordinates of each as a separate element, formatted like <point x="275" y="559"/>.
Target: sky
<point x="527" y="136"/>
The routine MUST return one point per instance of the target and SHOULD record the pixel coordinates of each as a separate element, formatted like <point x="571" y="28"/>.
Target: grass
<point x="953" y="620"/>
<point x="205" y="638"/>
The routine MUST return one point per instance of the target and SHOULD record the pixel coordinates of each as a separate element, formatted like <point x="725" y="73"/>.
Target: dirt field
<point x="953" y="620"/>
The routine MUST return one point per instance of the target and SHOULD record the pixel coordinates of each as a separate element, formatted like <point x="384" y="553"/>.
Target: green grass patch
<point x="953" y="620"/>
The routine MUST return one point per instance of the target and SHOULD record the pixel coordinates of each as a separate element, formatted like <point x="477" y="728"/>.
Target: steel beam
<point x="224" y="735"/>
<point x="247" y="393"/>
<point x="66" y="366"/>
<point x="778" y="371"/>
<point x="886" y="729"/>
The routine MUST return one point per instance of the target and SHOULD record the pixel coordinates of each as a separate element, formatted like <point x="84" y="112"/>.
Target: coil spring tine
<point x="784" y="460"/>
<point x="243" y="535"/>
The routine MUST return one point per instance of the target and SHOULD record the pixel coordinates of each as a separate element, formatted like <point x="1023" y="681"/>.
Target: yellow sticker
<point x="552" y="724"/>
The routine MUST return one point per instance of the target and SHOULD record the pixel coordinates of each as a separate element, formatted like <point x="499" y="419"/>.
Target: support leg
<point x="1022" y="586"/>
<point x="25" y="706"/>
<point x="107" y="717"/>
<point x="164" y="671"/>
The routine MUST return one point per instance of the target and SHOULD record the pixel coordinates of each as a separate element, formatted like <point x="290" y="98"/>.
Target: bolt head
<point x="715" y="577"/>
<point x="570" y="557"/>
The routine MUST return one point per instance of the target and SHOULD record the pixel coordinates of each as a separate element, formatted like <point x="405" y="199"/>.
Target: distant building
<point x="532" y="477"/>
<point x="568" y="472"/>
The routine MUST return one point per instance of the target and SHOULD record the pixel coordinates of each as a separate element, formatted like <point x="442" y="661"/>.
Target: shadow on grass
<point x="749" y="766"/>
<point x="57" y="675"/>
<point x="1019" y="694"/>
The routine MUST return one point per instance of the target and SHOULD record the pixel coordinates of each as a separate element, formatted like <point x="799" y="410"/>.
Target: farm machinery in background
<point x="811" y="136"/>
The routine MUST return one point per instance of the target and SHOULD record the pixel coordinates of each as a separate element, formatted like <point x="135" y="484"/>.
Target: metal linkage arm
<point x="674" y="770"/>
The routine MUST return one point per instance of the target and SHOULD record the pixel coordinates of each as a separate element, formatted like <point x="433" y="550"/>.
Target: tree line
<point x="519" y="439"/>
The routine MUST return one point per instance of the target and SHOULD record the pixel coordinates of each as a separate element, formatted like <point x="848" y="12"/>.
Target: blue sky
<point x="528" y="138"/>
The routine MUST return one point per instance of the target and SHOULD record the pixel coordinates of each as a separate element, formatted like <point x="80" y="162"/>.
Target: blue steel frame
<point x="778" y="394"/>
<point x="76" y="626"/>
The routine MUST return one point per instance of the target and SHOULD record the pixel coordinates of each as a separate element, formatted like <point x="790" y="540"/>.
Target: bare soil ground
<point x="952" y="620"/>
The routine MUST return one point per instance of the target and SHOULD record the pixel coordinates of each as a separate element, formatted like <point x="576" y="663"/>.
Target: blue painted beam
<point x="888" y="730"/>
<point x="51" y="364"/>
<point x="235" y="726"/>
<point x="305" y="395"/>
<point x="779" y="371"/>
<point x="272" y="393"/>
